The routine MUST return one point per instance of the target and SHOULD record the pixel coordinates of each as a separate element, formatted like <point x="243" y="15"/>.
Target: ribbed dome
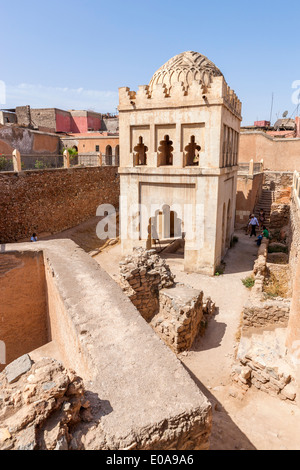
<point x="185" y="67"/>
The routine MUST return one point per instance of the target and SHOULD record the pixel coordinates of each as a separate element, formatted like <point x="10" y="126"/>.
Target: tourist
<point x="259" y="239"/>
<point x="266" y="232"/>
<point x="253" y="224"/>
<point x="33" y="238"/>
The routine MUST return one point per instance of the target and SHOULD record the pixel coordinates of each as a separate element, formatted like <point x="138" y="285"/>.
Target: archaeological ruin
<point x="178" y="331"/>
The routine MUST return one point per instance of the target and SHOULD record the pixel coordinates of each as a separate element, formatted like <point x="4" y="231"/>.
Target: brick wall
<point x="53" y="200"/>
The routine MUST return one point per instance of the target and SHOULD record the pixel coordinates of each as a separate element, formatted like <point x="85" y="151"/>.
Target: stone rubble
<point x="39" y="405"/>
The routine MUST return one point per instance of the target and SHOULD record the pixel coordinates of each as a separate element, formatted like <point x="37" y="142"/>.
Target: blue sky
<point x="76" y="54"/>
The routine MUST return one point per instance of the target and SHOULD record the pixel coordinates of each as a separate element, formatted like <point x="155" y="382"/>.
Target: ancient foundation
<point x="95" y="330"/>
<point x="175" y="311"/>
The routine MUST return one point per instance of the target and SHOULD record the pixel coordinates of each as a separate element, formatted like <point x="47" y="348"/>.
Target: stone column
<point x="251" y="167"/>
<point x="262" y="165"/>
<point x="17" y="160"/>
<point x="66" y="159"/>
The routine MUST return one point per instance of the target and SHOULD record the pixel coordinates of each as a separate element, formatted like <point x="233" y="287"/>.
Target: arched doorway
<point x="164" y="227"/>
<point x="117" y="155"/>
<point x="108" y="155"/>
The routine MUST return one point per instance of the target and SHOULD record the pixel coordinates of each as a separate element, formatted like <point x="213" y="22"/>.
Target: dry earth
<point x="254" y="420"/>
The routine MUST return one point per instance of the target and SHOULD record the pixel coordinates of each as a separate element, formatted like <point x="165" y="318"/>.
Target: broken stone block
<point x="15" y="369"/>
<point x="289" y="391"/>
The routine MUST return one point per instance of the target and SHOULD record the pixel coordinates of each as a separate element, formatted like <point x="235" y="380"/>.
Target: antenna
<point x="271" y="107"/>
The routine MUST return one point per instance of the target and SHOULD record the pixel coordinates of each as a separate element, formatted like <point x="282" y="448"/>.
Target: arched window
<point x="192" y="153"/>
<point x="140" y="155"/>
<point x="165" y="152"/>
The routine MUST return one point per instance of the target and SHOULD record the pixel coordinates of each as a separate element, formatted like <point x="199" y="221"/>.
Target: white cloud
<point x="40" y="96"/>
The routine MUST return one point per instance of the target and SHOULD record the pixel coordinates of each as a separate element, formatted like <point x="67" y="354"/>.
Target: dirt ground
<point x="253" y="420"/>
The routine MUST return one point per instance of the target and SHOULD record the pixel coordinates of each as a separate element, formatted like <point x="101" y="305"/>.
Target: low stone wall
<point x="258" y="314"/>
<point x="271" y="380"/>
<point x="140" y="395"/>
<point x="49" y="201"/>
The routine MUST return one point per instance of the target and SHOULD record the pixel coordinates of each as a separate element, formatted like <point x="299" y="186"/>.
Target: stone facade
<point x="179" y="149"/>
<point x="49" y="201"/>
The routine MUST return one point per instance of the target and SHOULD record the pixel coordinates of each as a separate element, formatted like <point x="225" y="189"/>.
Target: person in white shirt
<point x="253" y="224"/>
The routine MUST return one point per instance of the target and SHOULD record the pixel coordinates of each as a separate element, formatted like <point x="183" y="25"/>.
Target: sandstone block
<point x="15" y="369"/>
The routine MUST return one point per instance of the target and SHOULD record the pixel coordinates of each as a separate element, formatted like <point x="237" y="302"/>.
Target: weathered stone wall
<point x="27" y="141"/>
<point x="280" y="216"/>
<point x="293" y="333"/>
<point x="278" y="154"/>
<point x="175" y="311"/>
<point x="271" y="380"/>
<point x="143" y="274"/>
<point x="278" y="180"/>
<point x="179" y="319"/>
<point x="294" y="237"/>
<point x="258" y="314"/>
<point x="23" y="324"/>
<point x="48" y="201"/>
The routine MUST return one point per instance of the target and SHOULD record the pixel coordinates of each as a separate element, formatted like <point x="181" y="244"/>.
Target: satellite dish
<point x="285" y="114"/>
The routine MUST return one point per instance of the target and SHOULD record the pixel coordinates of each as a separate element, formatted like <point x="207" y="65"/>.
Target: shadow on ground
<point x="225" y="434"/>
<point x="212" y="336"/>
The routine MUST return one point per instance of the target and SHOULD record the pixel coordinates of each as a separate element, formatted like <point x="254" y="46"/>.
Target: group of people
<point x="257" y="223"/>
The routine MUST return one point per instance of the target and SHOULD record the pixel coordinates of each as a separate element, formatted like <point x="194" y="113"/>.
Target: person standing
<point x="253" y="224"/>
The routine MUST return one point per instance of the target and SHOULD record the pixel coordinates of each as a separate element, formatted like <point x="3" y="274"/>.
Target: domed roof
<point x="185" y="67"/>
